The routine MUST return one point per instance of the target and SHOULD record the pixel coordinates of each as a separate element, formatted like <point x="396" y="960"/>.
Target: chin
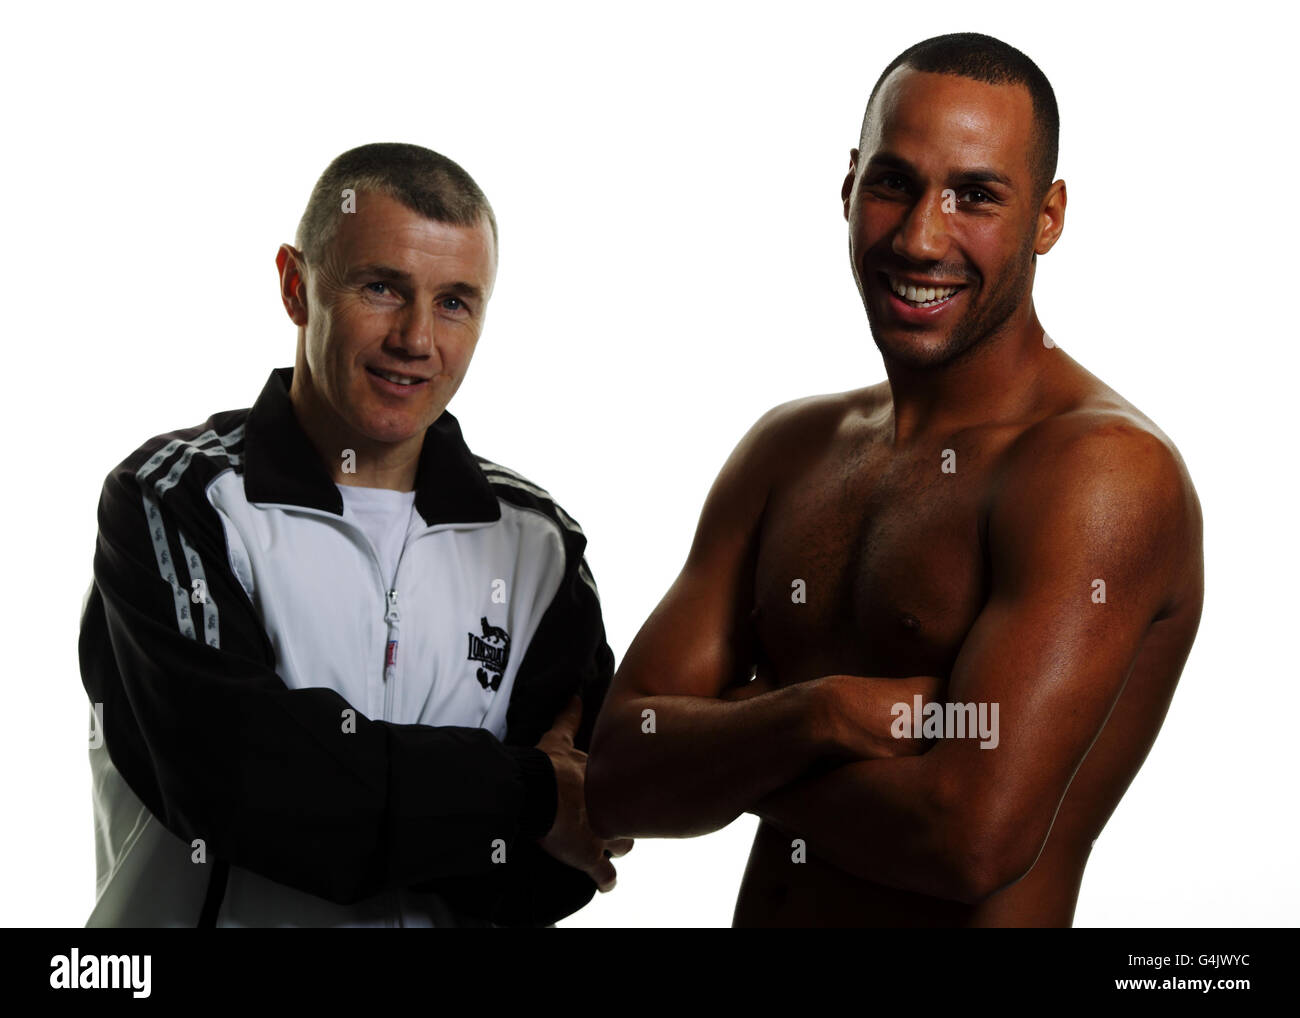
<point x="913" y="357"/>
<point x="390" y="430"/>
<point x="915" y="349"/>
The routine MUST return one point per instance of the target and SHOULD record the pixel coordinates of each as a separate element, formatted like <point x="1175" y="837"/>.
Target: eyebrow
<point x="388" y="272"/>
<point x="975" y="175"/>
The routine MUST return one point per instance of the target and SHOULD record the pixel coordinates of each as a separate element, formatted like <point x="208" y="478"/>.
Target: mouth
<point x="913" y="301"/>
<point x="395" y="382"/>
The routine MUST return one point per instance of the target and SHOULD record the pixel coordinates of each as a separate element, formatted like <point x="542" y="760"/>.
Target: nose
<point x="923" y="234"/>
<point x="415" y="332"/>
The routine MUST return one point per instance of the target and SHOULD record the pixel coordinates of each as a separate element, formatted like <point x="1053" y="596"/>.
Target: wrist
<point x="541" y="792"/>
<point x="824" y="714"/>
<point x="856" y="716"/>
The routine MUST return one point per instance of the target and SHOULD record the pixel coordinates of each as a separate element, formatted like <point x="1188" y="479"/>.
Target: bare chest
<point x="871" y="565"/>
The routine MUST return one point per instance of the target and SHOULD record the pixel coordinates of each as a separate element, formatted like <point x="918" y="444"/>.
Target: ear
<point x="1051" y="218"/>
<point x="846" y="192"/>
<point x="291" y="266"/>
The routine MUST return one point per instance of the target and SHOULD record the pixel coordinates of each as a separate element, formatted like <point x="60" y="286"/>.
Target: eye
<point x="984" y="199"/>
<point x="448" y="302"/>
<point x="886" y="179"/>
<point x="383" y="286"/>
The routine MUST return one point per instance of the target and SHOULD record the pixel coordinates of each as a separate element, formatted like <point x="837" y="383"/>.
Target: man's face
<point x="929" y="132"/>
<point x="398" y="299"/>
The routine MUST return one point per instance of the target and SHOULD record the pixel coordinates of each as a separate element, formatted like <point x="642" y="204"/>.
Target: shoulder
<point x="156" y="523"/>
<point x="516" y="489"/>
<point x="1102" y="482"/>
<point x="183" y="459"/>
<point x="1101" y="448"/>
<point x="822" y="412"/>
<point x="775" y="447"/>
<point x="787" y="431"/>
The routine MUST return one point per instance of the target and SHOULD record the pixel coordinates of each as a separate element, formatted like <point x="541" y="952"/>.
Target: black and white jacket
<point x="261" y="759"/>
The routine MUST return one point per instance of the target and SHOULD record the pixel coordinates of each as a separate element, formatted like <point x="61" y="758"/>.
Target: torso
<point x="892" y="555"/>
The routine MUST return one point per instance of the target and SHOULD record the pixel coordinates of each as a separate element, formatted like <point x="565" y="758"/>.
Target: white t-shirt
<point x="385" y="516"/>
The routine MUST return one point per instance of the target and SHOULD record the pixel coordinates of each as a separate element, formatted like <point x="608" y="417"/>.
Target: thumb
<point x="566" y="723"/>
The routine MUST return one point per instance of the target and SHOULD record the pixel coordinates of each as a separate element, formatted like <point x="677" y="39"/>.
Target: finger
<point x="604" y="874"/>
<point x="566" y="723"/>
<point x="618" y="847"/>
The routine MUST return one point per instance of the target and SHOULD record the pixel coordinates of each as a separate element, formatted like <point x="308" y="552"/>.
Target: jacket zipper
<point x="392" y="618"/>
<point x="390" y="655"/>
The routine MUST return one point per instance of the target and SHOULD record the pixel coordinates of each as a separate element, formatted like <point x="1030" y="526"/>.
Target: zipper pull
<point x="390" y="652"/>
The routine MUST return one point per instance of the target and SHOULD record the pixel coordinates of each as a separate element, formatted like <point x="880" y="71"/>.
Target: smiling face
<point x="388" y="322"/>
<point x="973" y="247"/>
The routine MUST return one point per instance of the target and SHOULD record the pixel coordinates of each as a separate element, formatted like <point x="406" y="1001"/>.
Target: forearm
<point x="890" y="821"/>
<point x="679" y="766"/>
<point x="709" y="760"/>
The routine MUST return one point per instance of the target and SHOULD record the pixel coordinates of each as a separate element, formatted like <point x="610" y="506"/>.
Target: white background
<point x="673" y="263"/>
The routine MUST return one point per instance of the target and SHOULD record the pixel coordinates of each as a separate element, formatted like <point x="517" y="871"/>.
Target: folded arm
<point x="290" y="783"/>
<point x="685" y="743"/>
<point x="961" y="821"/>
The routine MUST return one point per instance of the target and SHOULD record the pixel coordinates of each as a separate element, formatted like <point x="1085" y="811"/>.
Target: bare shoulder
<point x="1104" y="475"/>
<point x="775" y="447"/>
<point x="790" y="431"/>
<point x="1102" y="440"/>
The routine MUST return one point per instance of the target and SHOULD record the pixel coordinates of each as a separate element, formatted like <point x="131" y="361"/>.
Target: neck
<point x="351" y="458"/>
<point x="993" y="380"/>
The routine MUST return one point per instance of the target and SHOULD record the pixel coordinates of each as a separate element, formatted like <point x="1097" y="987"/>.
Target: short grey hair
<point x="419" y="178"/>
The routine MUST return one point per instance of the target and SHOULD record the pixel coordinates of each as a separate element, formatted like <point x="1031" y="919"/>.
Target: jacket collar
<point x="281" y="466"/>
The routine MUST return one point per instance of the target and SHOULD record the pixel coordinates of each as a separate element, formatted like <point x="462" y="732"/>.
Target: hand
<point x="570" y="840"/>
<point x="858" y="712"/>
<point x="756" y="686"/>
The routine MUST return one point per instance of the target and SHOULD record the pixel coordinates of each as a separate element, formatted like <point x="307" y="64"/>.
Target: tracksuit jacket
<point x="278" y="738"/>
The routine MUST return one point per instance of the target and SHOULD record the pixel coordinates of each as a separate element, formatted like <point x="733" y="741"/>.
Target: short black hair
<point x="421" y="179"/>
<point x="984" y="58"/>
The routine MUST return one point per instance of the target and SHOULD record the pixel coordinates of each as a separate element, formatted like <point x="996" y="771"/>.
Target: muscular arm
<point x="680" y="749"/>
<point x="960" y="821"/>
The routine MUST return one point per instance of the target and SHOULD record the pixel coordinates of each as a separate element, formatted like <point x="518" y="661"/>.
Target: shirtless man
<point x="993" y="525"/>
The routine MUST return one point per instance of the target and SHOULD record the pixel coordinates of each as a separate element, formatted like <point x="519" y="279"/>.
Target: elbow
<point x="597" y="802"/>
<point x="978" y="874"/>
<point x="620" y="802"/>
<point x="988" y="848"/>
<point x="600" y="795"/>
<point x="617" y="792"/>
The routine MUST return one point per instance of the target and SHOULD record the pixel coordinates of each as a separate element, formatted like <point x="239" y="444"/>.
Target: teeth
<point x="399" y="379"/>
<point x="921" y="294"/>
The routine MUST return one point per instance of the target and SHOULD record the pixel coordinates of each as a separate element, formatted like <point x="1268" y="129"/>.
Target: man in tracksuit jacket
<point x="342" y="671"/>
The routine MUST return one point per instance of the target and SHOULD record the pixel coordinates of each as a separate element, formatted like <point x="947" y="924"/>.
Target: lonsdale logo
<point x="492" y="649"/>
